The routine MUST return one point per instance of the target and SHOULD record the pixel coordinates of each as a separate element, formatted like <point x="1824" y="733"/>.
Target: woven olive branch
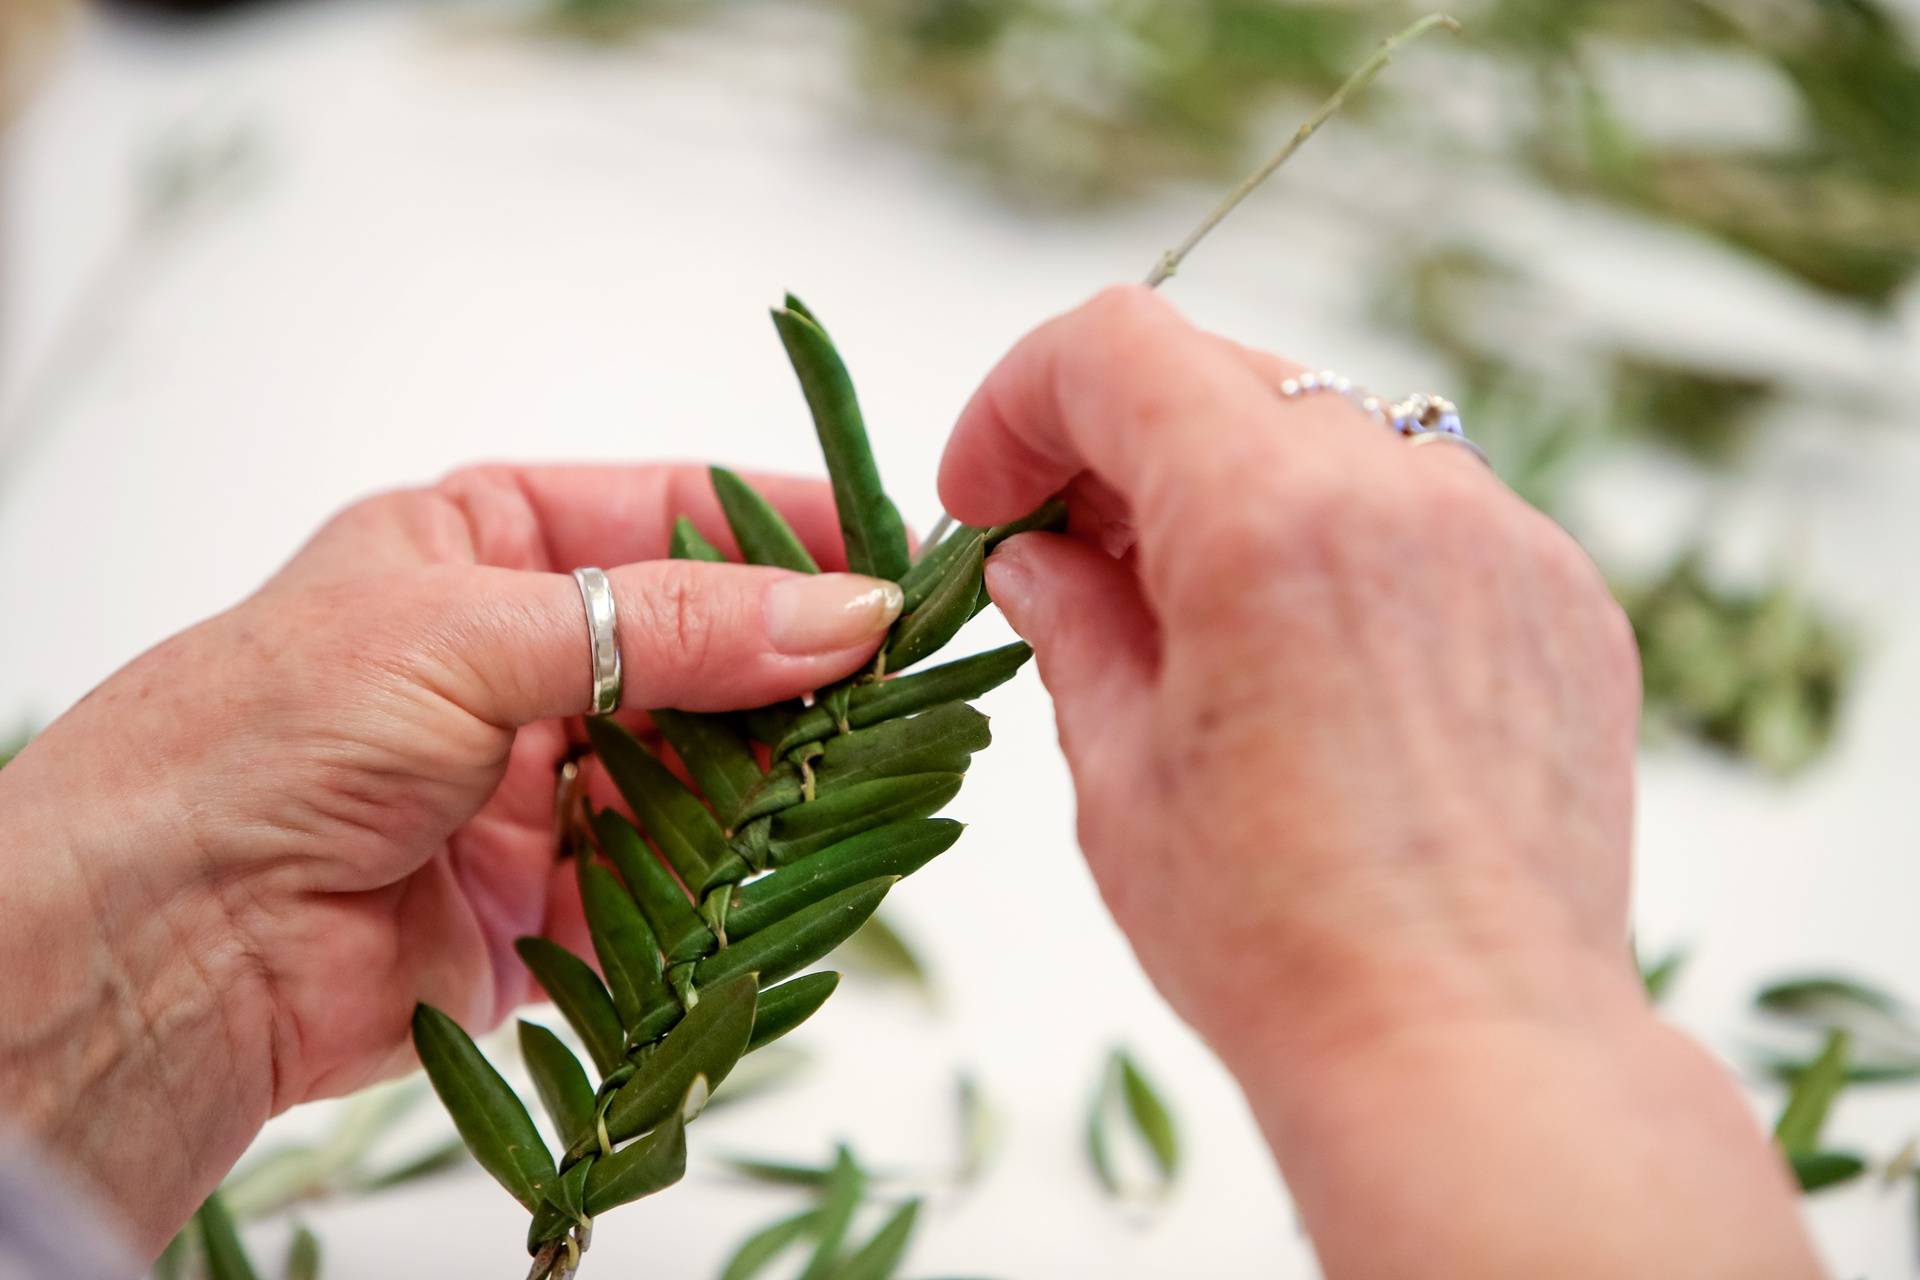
<point x="704" y="905"/>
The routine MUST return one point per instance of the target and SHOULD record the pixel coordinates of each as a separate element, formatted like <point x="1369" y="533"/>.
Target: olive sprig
<point x="705" y="903"/>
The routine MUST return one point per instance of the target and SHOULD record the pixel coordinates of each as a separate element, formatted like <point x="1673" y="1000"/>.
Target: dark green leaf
<point x="1788" y="1070"/>
<point x="688" y="544"/>
<point x="809" y="828"/>
<point x="662" y="901"/>
<point x="558" y="1078"/>
<point x="226" y="1259"/>
<point x="496" y="1127"/>
<point x="1812" y="1097"/>
<point x="762" y="532"/>
<point x="880" y="1256"/>
<point x="568" y="1192"/>
<point x="897" y="849"/>
<point x="1818" y="1170"/>
<point x="939" y="618"/>
<point x="887" y="699"/>
<point x="1832" y="1001"/>
<point x="786" y="1006"/>
<point x="1151" y="1117"/>
<point x="1099" y="1116"/>
<point x="719" y="759"/>
<point x="846" y="1187"/>
<point x="785" y="948"/>
<point x="931" y="569"/>
<point x="1051" y="517"/>
<point x="1659" y="976"/>
<point x="707" y="1042"/>
<point x="875" y="537"/>
<point x="629" y="953"/>
<point x="942" y="740"/>
<point x="760" y="1249"/>
<point x="303" y="1256"/>
<point x="577" y="992"/>
<point x="678" y="824"/>
<point x="640" y="1168"/>
<point x="778" y="1173"/>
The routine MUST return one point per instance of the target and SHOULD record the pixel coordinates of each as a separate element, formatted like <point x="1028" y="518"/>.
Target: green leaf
<point x="1099" y="1149"/>
<point x="721" y="762"/>
<point x="1049" y="517"/>
<point x="879" y="950"/>
<point x="883" y="700"/>
<point x="785" y="948"/>
<point x="1830" y="1002"/>
<point x="939" y="618"/>
<point x="1818" y="1170"/>
<point x="577" y="992"/>
<point x="177" y="1261"/>
<point x="808" y="828"/>
<point x="640" y="1168"/>
<point x="568" y="1192"/>
<point x="491" y="1119"/>
<point x="875" y="537"/>
<point x="897" y="849"/>
<point x="778" y="1173"/>
<point x="303" y="1256"/>
<point x="688" y="544"/>
<point x="930" y="570"/>
<point x="846" y="1187"/>
<point x="1788" y="1070"/>
<point x="1813" y="1096"/>
<point x="435" y="1160"/>
<point x="678" y="824"/>
<point x="979" y="1130"/>
<point x="759" y="1250"/>
<point x="1151" y="1117"/>
<point x="786" y="1006"/>
<point x="563" y="1086"/>
<point x="942" y="740"/>
<point x="226" y="1259"/>
<point x="1659" y="976"/>
<point x="662" y="901"/>
<point x="629" y="953"/>
<point x="762" y="532"/>
<point x="707" y="1042"/>
<point x="880" y="1256"/>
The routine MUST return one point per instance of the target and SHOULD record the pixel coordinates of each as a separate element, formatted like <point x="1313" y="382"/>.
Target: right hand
<point x="1353" y="730"/>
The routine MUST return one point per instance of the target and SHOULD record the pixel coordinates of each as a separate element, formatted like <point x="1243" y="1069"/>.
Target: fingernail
<point x="829" y="612"/>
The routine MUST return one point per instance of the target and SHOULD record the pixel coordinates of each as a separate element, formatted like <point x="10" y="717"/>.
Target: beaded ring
<point x="1420" y="418"/>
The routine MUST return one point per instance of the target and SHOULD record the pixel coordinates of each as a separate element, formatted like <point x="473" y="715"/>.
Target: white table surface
<point x="461" y="248"/>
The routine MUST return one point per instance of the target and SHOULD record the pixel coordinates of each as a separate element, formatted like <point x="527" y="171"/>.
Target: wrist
<point x="134" y="1046"/>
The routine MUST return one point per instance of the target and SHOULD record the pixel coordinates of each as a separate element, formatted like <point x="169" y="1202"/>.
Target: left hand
<point x="234" y="867"/>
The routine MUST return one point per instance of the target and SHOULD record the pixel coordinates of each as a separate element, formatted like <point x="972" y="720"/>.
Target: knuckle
<point x="676" y="619"/>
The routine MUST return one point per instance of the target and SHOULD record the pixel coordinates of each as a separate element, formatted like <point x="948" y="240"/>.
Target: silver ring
<point x="603" y="635"/>
<point x="1418" y="418"/>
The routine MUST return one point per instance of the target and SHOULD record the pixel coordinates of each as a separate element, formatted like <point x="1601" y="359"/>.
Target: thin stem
<point x="1171" y="260"/>
<point x="939" y="531"/>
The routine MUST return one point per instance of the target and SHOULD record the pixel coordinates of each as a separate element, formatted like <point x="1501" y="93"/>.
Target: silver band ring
<point x="1418" y="418"/>
<point x="603" y="636"/>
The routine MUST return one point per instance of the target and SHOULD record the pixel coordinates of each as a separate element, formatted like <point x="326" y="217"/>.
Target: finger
<point x="1094" y="639"/>
<point x="552" y="518"/>
<point x="1127" y="389"/>
<point x="512" y="647"/>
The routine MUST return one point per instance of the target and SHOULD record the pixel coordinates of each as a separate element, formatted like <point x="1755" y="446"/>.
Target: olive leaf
<point x="579" y="995"/>
<point x="680" y="826"/>
<point x="761" y="1249"/>
<point x="628" y="952"/>
<point x="817" y="824"/>
<point x="980" y="1126"/>
<point x="491" y="1119"/>
<point x="942" y="740"/>
<point x="220" y="1243"/>
<point x="640" y="1168"/>
<point x="785" y="948"/>
<point x="870" y="704"/>
<point x="719" y="759"/>
<point x="1812" y="1097"/>
<point x="880" y="950"/>
<point x="707" y="1042"/>
<point x="1659" y="976"/>
<point x="875" y="537"/>
<point x="784" y="1007"/>
<point x="1123" y="1091"/>
<point x="897" y="849"/>
<point x="559" y="1080"/>
<point x="880" y="1256"/>
<point x="846" y="1186"/>
<point x="664" y="904"/>
<point x="1818" y="1170"/>
<point x="763" y="533"/>
<point x="303" y="1256"/>
<point x="688" y="544"/>
<point x="948" y="606"/>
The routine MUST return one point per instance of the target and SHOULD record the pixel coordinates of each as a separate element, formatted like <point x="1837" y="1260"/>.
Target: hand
<point x="234" y="867"/>
<point x="1352" y="729"/>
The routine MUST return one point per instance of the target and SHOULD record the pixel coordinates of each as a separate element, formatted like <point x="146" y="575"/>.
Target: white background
<point x="457" y="246"/>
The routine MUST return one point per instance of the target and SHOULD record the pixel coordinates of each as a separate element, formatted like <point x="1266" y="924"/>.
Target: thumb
<point x="1093" y="637"/>
<point x="692" y="635"/>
